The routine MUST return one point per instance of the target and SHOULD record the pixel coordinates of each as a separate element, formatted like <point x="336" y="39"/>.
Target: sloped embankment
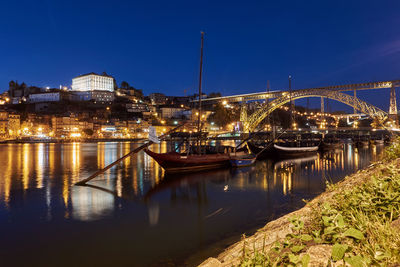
<point x="354" y="223"/>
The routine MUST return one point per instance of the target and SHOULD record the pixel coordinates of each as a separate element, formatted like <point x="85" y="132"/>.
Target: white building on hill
<point x="93" y="82"/>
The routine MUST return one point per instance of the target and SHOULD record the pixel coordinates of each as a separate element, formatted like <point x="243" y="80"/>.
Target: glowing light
<point x="75" y="134"/>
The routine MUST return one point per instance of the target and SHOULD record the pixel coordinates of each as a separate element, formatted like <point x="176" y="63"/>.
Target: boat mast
<point x="267" y="102"/>
<point x="292" y="121"/>
<point x="200" y="78"/>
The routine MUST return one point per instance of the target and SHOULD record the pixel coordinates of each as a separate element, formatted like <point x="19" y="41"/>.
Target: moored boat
<point x="261" y="150"/>
<point x="173" y="162"/>
<point x="295" y="151"/>
<point x="242" y="160"/>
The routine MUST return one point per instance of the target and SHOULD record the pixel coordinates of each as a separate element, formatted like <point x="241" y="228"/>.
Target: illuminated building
<point x="14" y="124"/>
<point x="174" y="112"/>
<point x="48" y="97"/>
<point x="93" y="82"/>
<point x="137" y="107"/>
<point x="96" y="96"/>
<point x="158" y="98"/>
<point x="3" y="122"/>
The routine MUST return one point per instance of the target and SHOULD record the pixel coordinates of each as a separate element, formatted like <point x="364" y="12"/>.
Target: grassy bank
<point x="354" y="223"/>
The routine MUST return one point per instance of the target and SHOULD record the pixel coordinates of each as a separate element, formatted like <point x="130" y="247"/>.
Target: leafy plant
<point x="356" y="224"/>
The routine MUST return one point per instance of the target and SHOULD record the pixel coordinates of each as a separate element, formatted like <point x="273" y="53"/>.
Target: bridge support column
<point x="354" y="107"/>
<point x="322" y="106"/>
<point x="393" y="106"/>
<point x="243" y="116"/>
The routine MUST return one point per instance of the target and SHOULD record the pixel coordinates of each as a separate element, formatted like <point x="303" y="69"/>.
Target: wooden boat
<point x="242" y="160"/>
<point x="261" y="151"/>
<point x="173" y="162"/>
<point x="295" y="151"/>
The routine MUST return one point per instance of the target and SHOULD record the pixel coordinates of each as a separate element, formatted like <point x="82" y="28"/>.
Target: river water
<point x="135" y="215"/>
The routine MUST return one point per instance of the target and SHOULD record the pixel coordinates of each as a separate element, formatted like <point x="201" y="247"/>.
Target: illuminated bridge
<point x="280" y="98"/>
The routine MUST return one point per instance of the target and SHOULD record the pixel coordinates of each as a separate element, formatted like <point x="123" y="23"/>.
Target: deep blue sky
<point x="154" y="45"/>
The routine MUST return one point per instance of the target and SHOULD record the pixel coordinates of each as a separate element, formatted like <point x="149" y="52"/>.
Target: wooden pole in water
<point x="94" y="175"/>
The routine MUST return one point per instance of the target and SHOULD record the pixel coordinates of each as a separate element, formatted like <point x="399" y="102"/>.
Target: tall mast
<point x="290" y="102"/>
<point x="267" y="102"/>
<point x="200" y="78"/>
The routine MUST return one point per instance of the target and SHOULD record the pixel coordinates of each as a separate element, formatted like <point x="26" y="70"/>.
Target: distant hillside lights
<point x="93" y="82"/>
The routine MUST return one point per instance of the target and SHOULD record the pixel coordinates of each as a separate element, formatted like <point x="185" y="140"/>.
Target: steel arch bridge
<point x="251" y="122"/>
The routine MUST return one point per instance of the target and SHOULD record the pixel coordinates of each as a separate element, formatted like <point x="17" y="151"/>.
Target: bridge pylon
<point x="393" y="106"/>
<point x="243" y="115"/>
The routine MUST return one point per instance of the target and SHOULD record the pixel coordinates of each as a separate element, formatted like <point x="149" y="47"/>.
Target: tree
<point x="138" y="93"/>
<point x="221" y="116"/>
<point x="124" y="85"/>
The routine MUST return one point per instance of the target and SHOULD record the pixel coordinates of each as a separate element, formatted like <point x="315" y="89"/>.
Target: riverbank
<point x="355" y="222"/>
<point x="94" y="140"/>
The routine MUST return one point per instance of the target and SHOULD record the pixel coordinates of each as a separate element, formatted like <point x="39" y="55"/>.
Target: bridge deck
<point x="278" y="93"/>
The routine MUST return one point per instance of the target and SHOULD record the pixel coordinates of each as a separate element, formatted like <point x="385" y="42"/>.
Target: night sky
<point x="154" y="45"/>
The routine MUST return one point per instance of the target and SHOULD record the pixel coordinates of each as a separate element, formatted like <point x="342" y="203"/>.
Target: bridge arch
<point x="257" y="117"/>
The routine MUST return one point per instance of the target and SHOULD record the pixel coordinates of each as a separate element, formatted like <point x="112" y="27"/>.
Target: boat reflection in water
<point x="136" y="211"/>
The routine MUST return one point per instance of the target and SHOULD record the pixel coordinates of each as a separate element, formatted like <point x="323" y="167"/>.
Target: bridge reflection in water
<point x="143" y="210"/>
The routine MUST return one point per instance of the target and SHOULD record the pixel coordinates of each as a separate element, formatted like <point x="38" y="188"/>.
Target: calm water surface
<point x="135" y="215"/>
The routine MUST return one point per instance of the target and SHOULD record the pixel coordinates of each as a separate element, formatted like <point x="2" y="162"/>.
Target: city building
<point x="48" y="97"/>
<point x="93" y="82"/>
<point x="175" y="112"/>
<point x="3" y="123"/>
<point x="158" y="98"/>
<point x="14" y="124"/>
<point x="96" y="96"/>
<point x="64" y="126"/>
<point x="137" y="107"/>
<point x="4" y="98"/>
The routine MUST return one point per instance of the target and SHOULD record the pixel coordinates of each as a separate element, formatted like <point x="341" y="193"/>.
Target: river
<point x="134" y="214"/>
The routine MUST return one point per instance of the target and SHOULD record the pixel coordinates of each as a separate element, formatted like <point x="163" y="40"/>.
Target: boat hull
<point x="178" y="163"/>
<point x="262" y="153"/>
<point x="293" y="152"/>
<point x="241" y="161"/>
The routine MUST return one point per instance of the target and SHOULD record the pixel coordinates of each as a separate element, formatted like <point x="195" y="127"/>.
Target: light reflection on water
<point x="143" y="210"/>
